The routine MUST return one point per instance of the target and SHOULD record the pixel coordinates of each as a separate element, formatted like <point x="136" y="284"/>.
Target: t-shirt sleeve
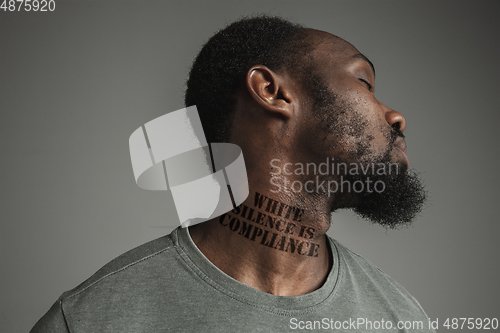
<point x="52" y="322"/>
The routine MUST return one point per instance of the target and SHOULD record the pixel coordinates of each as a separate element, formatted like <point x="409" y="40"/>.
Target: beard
<point x="397" y="205"/>
<point x="403" y="196"/>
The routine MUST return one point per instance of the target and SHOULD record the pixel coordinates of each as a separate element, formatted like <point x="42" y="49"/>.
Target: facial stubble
<point x="403" y="196"/>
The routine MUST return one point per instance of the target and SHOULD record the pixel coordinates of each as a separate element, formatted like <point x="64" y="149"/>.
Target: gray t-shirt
<point x="169" y="285"/>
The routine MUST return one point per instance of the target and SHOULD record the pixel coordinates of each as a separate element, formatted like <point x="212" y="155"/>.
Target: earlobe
<point x="269" y="90"/>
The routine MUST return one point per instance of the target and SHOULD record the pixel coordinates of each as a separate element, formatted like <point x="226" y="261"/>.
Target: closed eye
<point x="368" y="85"/>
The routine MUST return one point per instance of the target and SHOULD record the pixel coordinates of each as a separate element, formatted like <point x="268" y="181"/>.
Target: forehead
<point x="333" y="52"/>
<point x="327" y="42"/>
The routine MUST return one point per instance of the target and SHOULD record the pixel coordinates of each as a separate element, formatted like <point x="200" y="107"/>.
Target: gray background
<point x="75" y="83"/>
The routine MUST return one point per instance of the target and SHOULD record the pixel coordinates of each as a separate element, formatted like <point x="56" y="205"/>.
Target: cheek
<point x="364" y="137"/>
<point x="354" y="132"/>
<point x="366" y="129"/>
<point x="348" y="128"/>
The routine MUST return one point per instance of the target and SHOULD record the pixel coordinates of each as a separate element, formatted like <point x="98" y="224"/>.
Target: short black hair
<point x="220" y="68"/>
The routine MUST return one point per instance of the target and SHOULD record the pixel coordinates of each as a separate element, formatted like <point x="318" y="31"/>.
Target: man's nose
<point x="395" y="119"/>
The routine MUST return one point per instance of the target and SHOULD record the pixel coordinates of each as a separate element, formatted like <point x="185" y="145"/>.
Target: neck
<point x="270" y="242"/>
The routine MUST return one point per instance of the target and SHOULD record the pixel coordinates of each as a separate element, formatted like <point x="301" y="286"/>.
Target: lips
<point x="400" y="145"/>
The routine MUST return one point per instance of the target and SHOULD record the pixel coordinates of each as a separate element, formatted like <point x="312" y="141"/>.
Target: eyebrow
<point x="362" y="56"/>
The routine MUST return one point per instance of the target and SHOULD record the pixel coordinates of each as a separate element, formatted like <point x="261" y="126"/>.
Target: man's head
<point x="301" y="95"/>
<point x="220" y="69"/>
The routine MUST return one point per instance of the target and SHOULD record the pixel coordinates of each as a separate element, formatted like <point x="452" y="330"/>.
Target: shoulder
<point x="144" y="257"/>
<point x="361" y="273"/>
<point x="116" y="282"/>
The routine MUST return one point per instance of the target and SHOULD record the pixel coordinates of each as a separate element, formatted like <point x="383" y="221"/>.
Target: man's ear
<point x="270" y="90"/>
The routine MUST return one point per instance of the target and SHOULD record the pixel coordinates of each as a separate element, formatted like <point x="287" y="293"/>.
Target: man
<point x="300" y="104"/>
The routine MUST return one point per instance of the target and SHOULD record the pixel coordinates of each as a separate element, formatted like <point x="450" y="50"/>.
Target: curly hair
<point x="219" y="70"/>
